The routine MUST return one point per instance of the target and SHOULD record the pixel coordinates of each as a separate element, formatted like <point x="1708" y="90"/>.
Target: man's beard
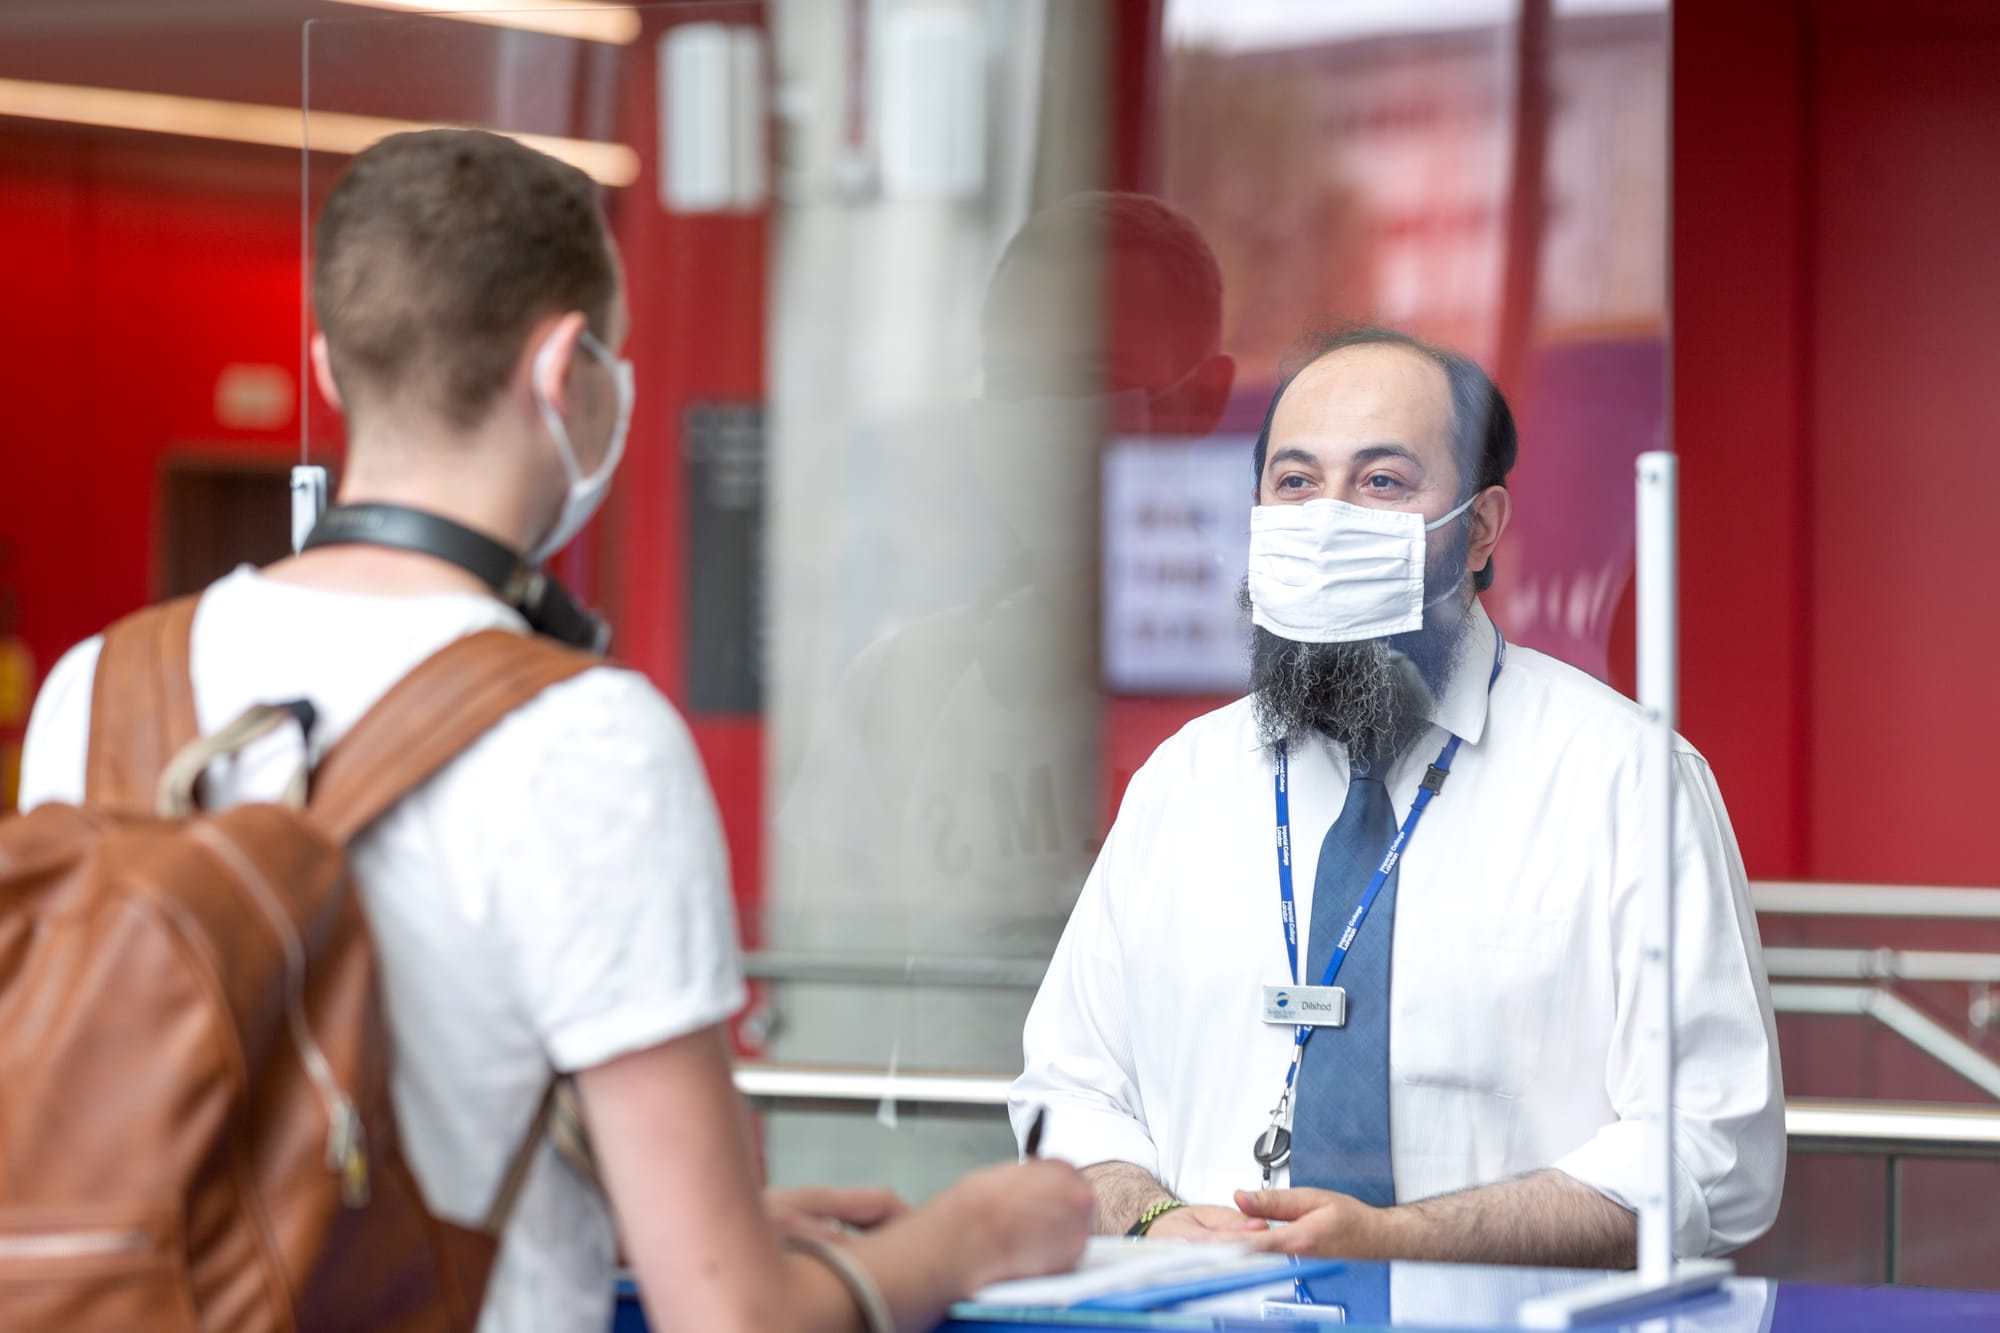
<point x="1374" y="696"/>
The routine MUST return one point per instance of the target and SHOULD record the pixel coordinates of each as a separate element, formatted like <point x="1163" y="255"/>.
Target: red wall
<point x="1833" y="394"/>
<point x="1835" y="324"/>
<point x="134" y="271"/>
<point x="1904" y="329"/>
<point x="697" y="299"/>
<point x="1834" y="279"/>
<point x="1738" y="415"/>
<point x="136" y="267"/>
<point x="1832" y="403"/>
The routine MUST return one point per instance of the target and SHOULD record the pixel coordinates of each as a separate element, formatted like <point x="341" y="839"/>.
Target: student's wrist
<point x="962" y="1238"/>
<point x="856" y="1281"/>
<point x="916" y="1265"/>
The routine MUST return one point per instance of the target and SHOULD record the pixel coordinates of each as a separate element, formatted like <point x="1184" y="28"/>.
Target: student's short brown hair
<point x="436" y="253"/>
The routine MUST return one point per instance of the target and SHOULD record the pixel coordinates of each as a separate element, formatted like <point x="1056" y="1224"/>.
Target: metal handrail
<point x="1812" y="1124"/>
<point x="975" y="973"/>
<point x="1812" y="964"/>
<point x="1874" y="1002"/>
<point x="1794" y="898"/>
<point x="1900" y="1017"/>
<point x="1769" y="897"/>
<point x="1893" y="1131"/>
<point x="844" y="1088"/>
<point x="892" y="969"/>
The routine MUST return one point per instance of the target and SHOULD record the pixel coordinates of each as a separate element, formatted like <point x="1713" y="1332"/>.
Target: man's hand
<point x="1204" y="1222"/>
<point x="1547" y="1219"/>
<point x="1317" y="1222"/>
<point x="830" y="1211"/>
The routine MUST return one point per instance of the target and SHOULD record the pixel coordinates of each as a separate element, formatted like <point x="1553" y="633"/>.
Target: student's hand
<point x="1018" y="1221"/>
<point x="1202" y="1221"/>
<point x="828" y="1211"/>
<point x="1317" y="1222"/>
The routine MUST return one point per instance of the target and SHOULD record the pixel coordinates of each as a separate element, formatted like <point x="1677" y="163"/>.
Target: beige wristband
<point x="875" y="1316"/>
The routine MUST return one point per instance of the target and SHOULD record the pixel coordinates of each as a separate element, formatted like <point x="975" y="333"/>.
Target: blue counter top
<point x="1451" y="1298"/>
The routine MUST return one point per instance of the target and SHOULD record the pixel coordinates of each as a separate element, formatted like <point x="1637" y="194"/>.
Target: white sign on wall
<point x="1176" y="540"/>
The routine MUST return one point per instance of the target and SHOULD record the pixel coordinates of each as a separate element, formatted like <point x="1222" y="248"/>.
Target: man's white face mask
<point x="1331" y="572"/>
<point x="585" y="494"/>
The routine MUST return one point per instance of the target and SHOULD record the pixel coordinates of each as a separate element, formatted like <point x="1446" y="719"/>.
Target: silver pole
<point x="1659" y="1279"/>
<point x="308" y="501"/>
<point x="1658" y="651"/>
<point x="1892" y="1221"/>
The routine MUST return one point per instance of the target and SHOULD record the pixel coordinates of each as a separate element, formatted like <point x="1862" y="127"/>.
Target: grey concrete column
<point x="934" y="781"/>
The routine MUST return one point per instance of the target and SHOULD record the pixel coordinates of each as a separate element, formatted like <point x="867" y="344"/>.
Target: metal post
<point x="1892" y="1220"/>
<point x="308" y="501"/>
<point x="1658" y="633"/>
<point x="1660" y="1280"/>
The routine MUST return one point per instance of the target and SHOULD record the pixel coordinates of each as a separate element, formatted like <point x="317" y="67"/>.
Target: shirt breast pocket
<point x="1475" y="994"/>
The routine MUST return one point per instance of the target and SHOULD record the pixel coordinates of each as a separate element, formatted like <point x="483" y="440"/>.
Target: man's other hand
<point x="1318" y="1222"/>
<point x="1200" y="1221"/>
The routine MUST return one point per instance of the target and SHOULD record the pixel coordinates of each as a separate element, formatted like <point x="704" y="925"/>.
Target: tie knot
<point x="1361" y="770"/>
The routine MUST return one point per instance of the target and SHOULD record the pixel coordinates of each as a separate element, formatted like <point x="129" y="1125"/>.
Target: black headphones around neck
<point x="545" y="604"/>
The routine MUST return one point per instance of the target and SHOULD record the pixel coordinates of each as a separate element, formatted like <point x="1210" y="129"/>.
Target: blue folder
<point x="1179" y="1293"/>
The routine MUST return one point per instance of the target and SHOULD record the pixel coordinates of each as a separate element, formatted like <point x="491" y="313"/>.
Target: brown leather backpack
<point x="195" y="1124"/>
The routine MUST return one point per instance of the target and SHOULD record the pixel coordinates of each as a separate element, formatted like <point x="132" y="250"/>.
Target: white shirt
<point x="555" y="896"/>
<point x="1514" y="1045"/>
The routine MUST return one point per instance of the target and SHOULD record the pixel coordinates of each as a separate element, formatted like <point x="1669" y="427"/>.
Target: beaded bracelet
<point x="1154" y="1214"/>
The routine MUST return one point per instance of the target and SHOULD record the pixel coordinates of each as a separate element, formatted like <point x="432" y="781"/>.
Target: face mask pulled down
<point x="585" y="493"/>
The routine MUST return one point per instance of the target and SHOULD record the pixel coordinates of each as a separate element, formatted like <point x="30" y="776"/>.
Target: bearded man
<point x="1407" y="1025"/>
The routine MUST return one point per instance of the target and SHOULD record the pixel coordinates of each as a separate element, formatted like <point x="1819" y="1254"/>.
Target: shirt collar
<point x="1461" y="709"/>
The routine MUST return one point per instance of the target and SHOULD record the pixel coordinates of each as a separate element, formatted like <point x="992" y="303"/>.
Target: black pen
<point x="1035" y="1131"/>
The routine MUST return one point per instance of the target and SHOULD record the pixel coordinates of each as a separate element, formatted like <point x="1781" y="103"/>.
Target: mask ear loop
<point x="551" y="419"/>
<point x="625" y="382"/>
<point x="1433" y="527"/>
<point x="1447" y="595"/>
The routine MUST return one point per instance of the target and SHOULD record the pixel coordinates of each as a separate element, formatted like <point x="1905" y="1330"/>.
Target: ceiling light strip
<point x="616" y="25"/>
<point x="276" y="126"/>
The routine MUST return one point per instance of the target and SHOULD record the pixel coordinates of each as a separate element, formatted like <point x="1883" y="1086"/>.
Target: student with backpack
<point x="281" y="1025"/>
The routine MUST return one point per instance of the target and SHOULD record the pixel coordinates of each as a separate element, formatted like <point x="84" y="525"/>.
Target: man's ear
<point x="549" y="354"/>
<point x="322" y="364"/>
<point x="1491" y="513"/>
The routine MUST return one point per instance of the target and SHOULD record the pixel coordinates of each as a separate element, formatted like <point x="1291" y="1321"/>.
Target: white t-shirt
<point x="558" y="895"/>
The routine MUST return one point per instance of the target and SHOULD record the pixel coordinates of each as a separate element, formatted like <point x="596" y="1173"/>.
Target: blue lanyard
<point x="1287" y="905"/>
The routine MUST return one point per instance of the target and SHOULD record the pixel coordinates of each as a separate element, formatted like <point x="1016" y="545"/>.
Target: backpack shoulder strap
<point x="428" y="717"/>
<point x="141" y="705"/>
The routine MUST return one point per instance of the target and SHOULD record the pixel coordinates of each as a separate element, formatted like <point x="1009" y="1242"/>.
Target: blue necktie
<point x="1340" y="1121"/>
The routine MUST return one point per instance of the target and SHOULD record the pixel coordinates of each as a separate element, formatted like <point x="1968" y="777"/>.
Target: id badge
<point x="1304" y="1314"/>
<point x="1313" y="1006"/>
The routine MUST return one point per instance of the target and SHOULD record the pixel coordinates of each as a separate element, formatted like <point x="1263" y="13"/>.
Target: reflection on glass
<point x="1460" y="1296"/>
<point x="952" y="334"/>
